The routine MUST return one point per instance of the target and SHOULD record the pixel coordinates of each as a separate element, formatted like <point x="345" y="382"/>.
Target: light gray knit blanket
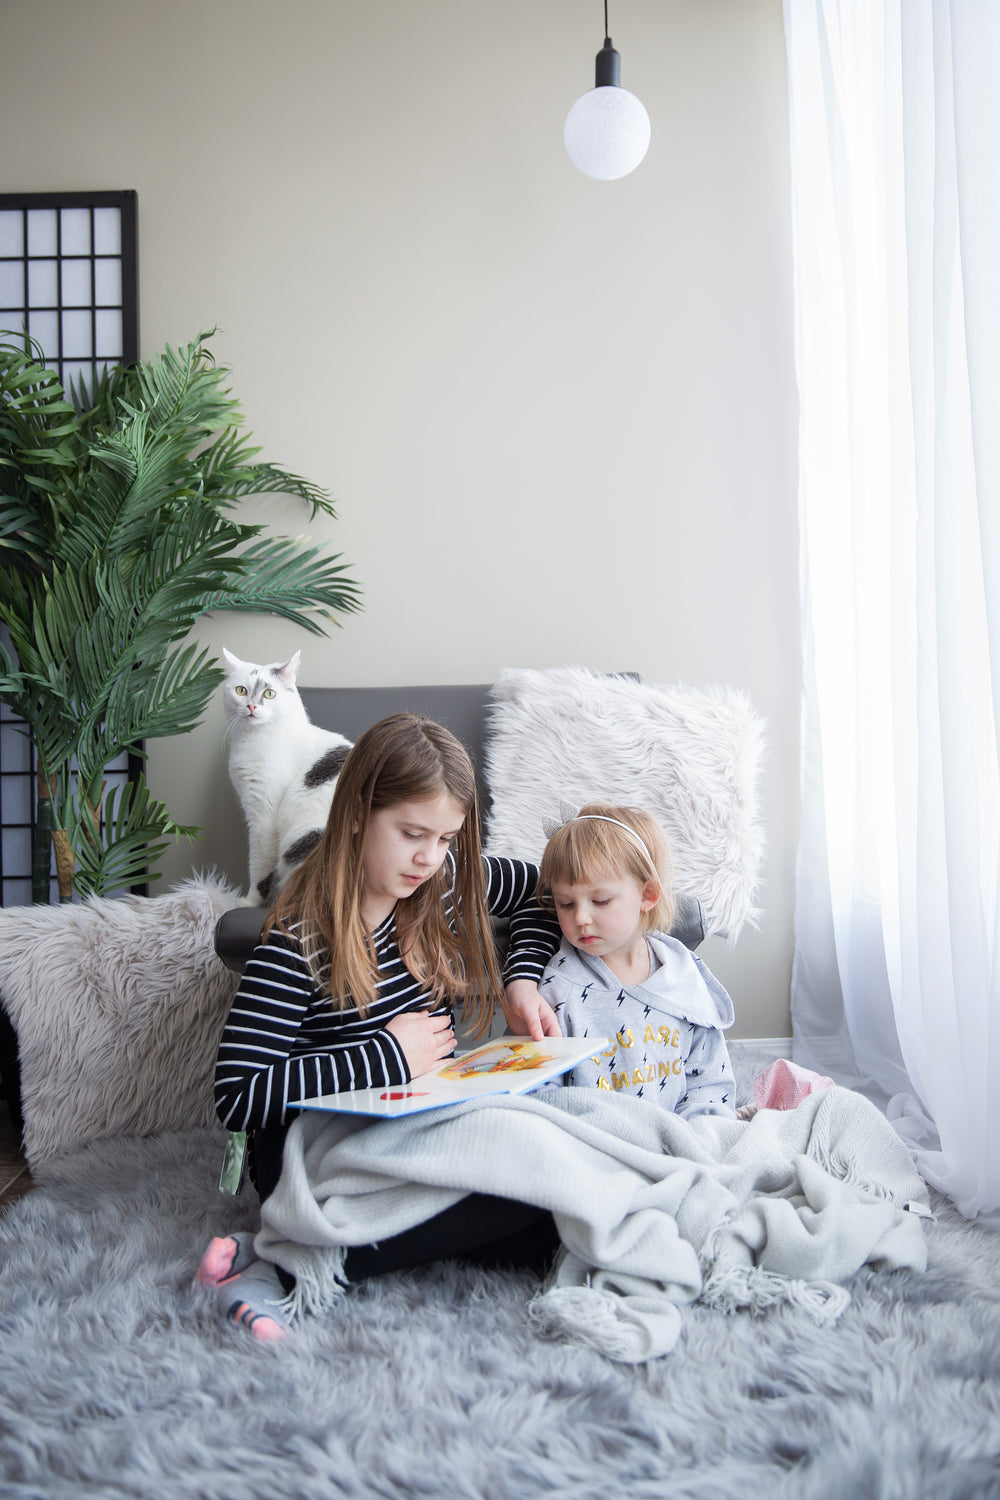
<point x="653" y="1211"/>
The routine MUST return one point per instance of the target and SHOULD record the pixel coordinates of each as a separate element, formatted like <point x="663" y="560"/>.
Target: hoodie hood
<point x="680" y="985"/>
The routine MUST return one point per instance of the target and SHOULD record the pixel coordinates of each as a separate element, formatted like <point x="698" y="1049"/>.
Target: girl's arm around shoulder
<point x="510" y="884"/>
<point x="534" y="932"/>
<point x="534" y="937"/>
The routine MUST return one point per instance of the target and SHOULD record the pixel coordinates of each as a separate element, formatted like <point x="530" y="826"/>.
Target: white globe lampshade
<point x="607" y="133"/>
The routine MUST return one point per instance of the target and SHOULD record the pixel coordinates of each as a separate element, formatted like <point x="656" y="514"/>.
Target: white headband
<point x="600" y="818"/>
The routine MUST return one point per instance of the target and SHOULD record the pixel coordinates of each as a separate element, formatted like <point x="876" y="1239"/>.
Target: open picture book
<point x="506" y="1065"/>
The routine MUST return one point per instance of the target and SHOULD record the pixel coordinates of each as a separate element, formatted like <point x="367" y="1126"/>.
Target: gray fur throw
<point x="118" y="1007"/>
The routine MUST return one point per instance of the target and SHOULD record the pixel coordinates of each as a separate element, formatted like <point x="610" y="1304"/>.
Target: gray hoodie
<point x="667" y="1041"/>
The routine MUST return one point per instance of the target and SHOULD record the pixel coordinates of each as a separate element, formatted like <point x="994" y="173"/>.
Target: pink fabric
<point x="784" y="1085"/>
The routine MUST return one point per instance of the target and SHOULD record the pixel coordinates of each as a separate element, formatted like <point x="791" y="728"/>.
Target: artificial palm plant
<point x="116" y="533"/>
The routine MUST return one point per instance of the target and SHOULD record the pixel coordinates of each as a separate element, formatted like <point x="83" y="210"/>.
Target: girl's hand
<point x="425" y="1039"/>
<point x="527" y="1013"/>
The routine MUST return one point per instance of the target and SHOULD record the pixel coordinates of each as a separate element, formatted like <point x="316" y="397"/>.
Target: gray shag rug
<point x="118" y="1378"/>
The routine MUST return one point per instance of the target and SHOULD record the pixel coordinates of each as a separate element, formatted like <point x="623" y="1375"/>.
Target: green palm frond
<point x="45" y="705"/>
<point x="96" y="401"/>
<point x="137" y="830"/>
<point x="63" y="604"/>
<point x="189" y="563"/>
<point x="20" y="530"/>
<point x="37" y="423"/>
<point x="225" y="488"/>
<point x="34" y="409"/>
<point x="186" y="391"/>
<point x="136" y="478"/>
<point x="164" y="702"/>
<point x="283" y="576"/>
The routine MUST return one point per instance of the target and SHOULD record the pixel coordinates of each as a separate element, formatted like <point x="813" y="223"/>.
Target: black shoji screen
<point x="69" y="277"/>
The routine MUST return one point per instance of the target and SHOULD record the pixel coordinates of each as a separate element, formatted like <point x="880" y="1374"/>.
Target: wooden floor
<point x="14" y="1178"/>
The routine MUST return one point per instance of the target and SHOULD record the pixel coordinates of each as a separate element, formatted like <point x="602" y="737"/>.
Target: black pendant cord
<point x="607" y="73"/>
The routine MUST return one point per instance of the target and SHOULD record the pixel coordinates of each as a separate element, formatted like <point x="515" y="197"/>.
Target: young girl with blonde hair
<point x="606" y="874"/>
<point x="383" y="928"/>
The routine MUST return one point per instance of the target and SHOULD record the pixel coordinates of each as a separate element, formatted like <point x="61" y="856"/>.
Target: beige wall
<point x="559" y="416"/>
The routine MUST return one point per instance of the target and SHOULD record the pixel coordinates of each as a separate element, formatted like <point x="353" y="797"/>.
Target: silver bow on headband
<point x="567" y="814"/>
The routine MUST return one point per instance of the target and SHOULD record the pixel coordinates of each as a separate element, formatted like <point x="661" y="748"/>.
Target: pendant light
<point x="607" y="130"/>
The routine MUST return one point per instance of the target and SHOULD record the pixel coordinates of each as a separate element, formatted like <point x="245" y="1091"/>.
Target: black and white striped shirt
<point x="284" y="1041"/>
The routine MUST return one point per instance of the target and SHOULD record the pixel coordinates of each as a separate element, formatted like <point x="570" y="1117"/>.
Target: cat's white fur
<point x="283" y="767"/>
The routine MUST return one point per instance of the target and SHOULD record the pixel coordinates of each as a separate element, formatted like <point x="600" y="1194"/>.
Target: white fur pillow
<point x="691" y="758"/>
<point x="118" y="1007"/>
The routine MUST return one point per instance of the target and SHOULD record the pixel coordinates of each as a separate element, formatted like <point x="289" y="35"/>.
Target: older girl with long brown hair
<point x="376" y="936"/>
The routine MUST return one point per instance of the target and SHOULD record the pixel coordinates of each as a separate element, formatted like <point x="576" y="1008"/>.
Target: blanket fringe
<point x="588" y="1315"/>
<point x="752" y="1289"/>
<point x="885" y="1187"/>
<point x="319" y="1285"/>
<point x="579" y="1311"/>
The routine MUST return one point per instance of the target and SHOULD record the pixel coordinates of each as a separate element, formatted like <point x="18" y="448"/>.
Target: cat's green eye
<point x="241" y="690"/>
<point x="270" y="693"/>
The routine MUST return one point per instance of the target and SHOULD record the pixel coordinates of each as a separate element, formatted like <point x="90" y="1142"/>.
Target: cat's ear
<point x="234" y="661"/>
<point x="289" y="670"/>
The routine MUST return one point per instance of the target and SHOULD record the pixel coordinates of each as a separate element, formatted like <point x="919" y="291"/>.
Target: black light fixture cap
<point x="609" y="67"/>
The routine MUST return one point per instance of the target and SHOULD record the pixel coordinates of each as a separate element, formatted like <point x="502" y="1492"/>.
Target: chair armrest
<point x="237" y="933"/>
<point x="688" y="926"/>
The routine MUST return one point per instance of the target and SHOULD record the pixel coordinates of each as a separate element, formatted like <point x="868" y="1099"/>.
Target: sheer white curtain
<point x="895" y="138"/>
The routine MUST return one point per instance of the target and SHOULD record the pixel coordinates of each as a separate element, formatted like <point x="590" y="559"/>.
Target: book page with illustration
<point x="506" y="1065"/>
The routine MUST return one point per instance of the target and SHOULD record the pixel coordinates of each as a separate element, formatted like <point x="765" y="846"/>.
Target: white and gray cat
<point x="283" y="767"/>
